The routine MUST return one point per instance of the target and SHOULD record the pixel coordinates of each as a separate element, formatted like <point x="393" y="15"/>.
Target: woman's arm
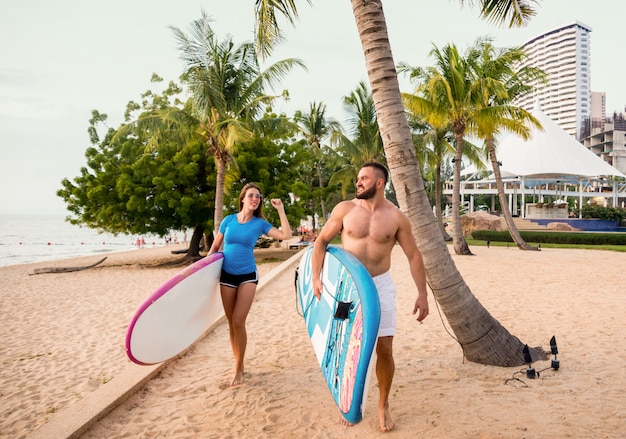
<point x="217" y="243"/>
<point x="285" y="229"/>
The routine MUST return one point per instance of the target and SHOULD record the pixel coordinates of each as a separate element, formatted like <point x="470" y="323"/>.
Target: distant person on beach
<point x="239" y="233"/>
<point x="370" y="226"/>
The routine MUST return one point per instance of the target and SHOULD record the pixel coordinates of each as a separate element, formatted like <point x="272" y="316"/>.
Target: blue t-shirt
<point x="239" y="242"/>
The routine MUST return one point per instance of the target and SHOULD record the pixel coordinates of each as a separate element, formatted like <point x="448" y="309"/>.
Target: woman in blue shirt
<point x="239" y="233"/>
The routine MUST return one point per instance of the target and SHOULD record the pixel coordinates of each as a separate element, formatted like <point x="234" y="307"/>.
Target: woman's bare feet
<point x="238" y="380"/>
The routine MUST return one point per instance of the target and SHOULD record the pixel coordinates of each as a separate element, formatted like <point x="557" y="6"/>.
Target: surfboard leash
<point x="343" y="307"/>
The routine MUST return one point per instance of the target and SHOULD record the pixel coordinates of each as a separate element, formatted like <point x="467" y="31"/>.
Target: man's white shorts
<point x="387" y="295"/>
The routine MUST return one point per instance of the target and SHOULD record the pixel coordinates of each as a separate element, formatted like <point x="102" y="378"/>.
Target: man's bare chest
<point x="375" y="227"/>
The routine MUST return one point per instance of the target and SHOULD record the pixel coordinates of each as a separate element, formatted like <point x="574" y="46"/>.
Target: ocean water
<point x="36" y="238"/>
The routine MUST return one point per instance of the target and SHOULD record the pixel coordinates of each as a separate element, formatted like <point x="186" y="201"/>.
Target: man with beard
<point x="370" y="226"/>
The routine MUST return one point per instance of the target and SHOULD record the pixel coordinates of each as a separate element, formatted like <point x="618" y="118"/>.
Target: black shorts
<point x="234" y="280"/>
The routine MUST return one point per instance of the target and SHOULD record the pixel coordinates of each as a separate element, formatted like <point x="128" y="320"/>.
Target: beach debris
<point x="66" y="269"/>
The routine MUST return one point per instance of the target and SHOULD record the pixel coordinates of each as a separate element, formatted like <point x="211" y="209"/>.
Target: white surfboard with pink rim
<point x="177" y="313"/>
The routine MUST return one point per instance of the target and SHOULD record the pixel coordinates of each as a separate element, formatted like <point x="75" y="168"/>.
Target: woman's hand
<point x="285" y="233"/>
<point x="277" y="203"/>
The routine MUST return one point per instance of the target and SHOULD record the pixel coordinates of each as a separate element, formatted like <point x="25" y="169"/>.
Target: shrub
<point x="554" y="237"/>
<point x="601" y="212"/>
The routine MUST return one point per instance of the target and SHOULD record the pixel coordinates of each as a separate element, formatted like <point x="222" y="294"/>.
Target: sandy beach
<point x="63" y="338"/>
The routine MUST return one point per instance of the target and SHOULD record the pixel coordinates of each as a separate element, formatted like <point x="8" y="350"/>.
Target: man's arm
<point x="416" y="264"/>
<point x="331" y="229"/>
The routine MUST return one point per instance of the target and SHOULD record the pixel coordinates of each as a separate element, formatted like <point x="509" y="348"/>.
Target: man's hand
<point x="421" y="307"/>
<point x="317" y="288"/>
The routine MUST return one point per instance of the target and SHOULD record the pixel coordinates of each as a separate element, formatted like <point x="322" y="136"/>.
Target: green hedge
<point x="554" y="237"/>
<point x="601" y="212"/>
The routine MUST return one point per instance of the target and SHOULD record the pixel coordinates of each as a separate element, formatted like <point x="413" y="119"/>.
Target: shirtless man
<point x="370" y="226"/>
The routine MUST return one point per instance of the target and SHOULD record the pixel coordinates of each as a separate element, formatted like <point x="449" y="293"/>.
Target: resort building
<point x="564" y="53"/>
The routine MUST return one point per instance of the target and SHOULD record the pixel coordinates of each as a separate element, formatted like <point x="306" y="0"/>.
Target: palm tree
<point x="362" y="143"/>
<point x="227" y="91"/>
<point x="482" y="337"/>
<point x="440" y="141"/>
<point x="450" y="88"/>
<point x="475" y="88"/>
<point x="439" y="134"/>
<point x="501" y="83"/>
<point x="316" y="129"/>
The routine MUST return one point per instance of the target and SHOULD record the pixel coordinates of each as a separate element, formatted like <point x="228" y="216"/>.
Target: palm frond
<point x="267" y="33"/>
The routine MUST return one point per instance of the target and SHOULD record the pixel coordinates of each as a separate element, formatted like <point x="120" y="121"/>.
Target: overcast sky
<point x="59" y="60"/>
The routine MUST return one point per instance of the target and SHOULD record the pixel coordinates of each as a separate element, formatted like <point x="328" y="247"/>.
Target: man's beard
<point x="366" y="194"/>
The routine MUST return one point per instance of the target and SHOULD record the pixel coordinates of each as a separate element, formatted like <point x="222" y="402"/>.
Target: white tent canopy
<point x="550" y="153"/>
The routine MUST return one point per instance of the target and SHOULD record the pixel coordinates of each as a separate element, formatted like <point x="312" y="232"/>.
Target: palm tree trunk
<point x="438" y="212"/>
<point x="459" y="243"/>
<point x="517" y="238"/>
<point x="481" y="337"/>
<point x="312" y="207"/>
<point x="321" y="183"/>
<point x="220" y="178"/>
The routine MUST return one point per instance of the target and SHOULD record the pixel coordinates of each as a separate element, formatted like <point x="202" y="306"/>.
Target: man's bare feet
<point x="386" y="424"/>
<point x="343" y="421"/>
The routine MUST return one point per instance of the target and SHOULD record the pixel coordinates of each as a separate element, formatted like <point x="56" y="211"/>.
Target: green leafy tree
<point x="482" y="337"/>
<point x="130" y="188"/>
<point x="164" y="121"/>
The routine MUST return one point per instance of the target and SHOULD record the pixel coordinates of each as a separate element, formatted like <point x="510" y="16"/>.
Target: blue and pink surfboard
<point x="342" y="325"/>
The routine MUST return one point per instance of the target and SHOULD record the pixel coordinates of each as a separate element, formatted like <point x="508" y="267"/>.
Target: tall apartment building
<point x="598" y="106"/>
<point x="564" y="53"/>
